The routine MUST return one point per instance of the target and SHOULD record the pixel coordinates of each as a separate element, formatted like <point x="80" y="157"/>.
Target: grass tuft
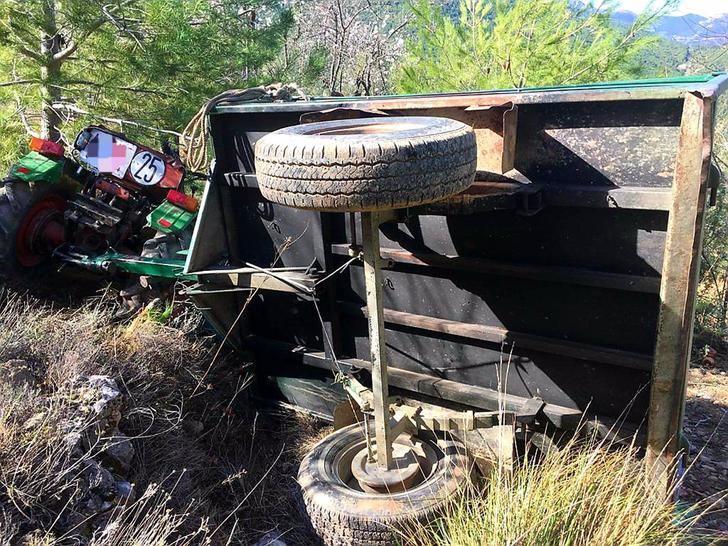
<point x="585" y="493"/>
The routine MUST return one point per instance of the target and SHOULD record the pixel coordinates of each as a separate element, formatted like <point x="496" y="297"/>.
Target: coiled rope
<point x="193" y="143"/>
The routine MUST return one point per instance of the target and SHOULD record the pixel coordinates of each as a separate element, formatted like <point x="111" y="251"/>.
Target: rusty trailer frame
<point x="561" y="286"/>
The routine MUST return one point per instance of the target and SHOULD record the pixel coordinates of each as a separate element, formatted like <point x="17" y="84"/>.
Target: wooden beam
<point x="495" y="334"/>
<point x="677" y="292"/>
<point x="433" y="387"/>
<point x="570" y="275"/>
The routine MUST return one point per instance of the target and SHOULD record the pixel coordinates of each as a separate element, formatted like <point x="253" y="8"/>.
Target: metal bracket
<point x="410" y="417"/>
<point x="529" y="201"/>
<point x="530" y="409"/>
<point x="361" y="395"/>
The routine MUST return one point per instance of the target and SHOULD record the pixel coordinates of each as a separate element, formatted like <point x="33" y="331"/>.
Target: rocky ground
<point x="706" y="427"/>
<point x="139" y="432"/>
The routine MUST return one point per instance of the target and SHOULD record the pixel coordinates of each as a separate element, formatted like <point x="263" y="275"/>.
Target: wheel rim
<point x="350" y="457"/>
<point x="40" y="231"/>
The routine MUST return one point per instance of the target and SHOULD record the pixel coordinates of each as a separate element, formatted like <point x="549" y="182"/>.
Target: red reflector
<point x="22" y="170"/>
<point x="46" y="147"/>
<point x="165" y="223"/>
<point x="187" y="202"/>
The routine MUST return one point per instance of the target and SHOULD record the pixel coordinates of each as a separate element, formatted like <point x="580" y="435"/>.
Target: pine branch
<point x="23" y="119"/>
<point x="31" y="54"/>
<point x="17" y="82"/>
<point x="73" y="45"/>
<point x="143" y="90"/>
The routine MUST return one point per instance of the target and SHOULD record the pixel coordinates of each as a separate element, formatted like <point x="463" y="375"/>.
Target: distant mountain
<point x="689" y="29"/>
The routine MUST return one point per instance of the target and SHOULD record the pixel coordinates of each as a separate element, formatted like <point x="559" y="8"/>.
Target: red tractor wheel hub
<point x="40" y="231"/>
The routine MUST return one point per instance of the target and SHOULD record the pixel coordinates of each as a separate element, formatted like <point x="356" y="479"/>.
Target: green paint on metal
<point x="681" y="83"/>
<point x="676" y="82"/>
<point x="137" y="265"/>
<point x="169" y="218"/>
<point x="34" y="167"/>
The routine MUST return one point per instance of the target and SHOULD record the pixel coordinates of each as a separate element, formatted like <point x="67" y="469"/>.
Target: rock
<point x="17" y="373"/>
<point x="34" y="421"/>
<point x="193" y="426"/>
<point x="74" y="441"/>
<point x="124" y="491"/>
<point x="100" y="480"/>
<point x="93" y="504"/>
<point x="108" y="406"/>
<point x="120" y="452"/>
<point x="271" y="539"/>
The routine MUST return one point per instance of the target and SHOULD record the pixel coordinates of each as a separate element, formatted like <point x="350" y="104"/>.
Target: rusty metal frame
<point x="495" y="98"/>
<point x="683" y="198"/>
<point x="378" y="350"/>
<point x="678" y="286"/>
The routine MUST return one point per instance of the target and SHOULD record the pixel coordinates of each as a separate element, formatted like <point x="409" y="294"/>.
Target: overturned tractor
<point x="111" y="206"/>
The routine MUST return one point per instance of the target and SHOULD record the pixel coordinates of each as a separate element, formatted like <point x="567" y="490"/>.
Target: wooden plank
<point x="679" y="283"/>
<point x="570" y="275"/>
<point x="634" y="197"/>
<point x="434" y="387"/>
<point x="519" y="340"/>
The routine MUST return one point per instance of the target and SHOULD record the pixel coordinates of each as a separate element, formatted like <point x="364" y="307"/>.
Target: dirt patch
<point x="706" y="427"/>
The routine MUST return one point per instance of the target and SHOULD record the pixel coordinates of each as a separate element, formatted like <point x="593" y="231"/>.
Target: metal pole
<point x="380" y="383"/>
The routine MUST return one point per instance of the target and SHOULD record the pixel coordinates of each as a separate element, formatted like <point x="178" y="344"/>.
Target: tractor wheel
<point x="31" y="225"/>
<point x="366" y="164"/>
<point x="343" y="514"/>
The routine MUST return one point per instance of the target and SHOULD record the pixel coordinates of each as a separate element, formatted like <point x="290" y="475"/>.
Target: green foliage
<point x="197" y="49"/>
<point x="712" y="306"/>
<point x="152" y="62"/>
<point x="665" y="58"/>
<point x="503" y="44"/>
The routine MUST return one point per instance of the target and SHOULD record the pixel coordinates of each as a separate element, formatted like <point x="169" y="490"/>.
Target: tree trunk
<point x="50" y="74"/>
<point x="50" y="121"/>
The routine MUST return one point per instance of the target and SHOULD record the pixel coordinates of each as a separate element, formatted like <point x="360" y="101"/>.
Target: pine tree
<point x="151" y="61"/>
<point x="506" y="43"/>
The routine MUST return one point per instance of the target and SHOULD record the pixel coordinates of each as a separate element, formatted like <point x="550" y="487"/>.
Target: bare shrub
<point x="150" y="520"/>
<point x="39" y="471"/>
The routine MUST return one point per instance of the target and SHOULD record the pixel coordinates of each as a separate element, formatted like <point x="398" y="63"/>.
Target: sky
<point x="708" y="8"/>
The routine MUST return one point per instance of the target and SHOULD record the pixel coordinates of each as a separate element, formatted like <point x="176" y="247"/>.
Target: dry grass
<point x="586" y="493"/>
<point x="209" y="470"/>
<point x="150" y="520"/>
<point x="213" y="471"/>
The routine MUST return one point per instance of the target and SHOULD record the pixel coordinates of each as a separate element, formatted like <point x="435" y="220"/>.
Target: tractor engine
<point x="96" y="209"/>
<point x="123" y="183"/>
<point x="105" y="215"/>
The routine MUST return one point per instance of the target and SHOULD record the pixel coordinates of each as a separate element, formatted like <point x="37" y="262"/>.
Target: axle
<point x="380" y="383"/>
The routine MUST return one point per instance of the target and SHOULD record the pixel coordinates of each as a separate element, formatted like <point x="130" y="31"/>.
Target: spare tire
<point x="366" y="164"/>
<point x="342" y="514"/>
